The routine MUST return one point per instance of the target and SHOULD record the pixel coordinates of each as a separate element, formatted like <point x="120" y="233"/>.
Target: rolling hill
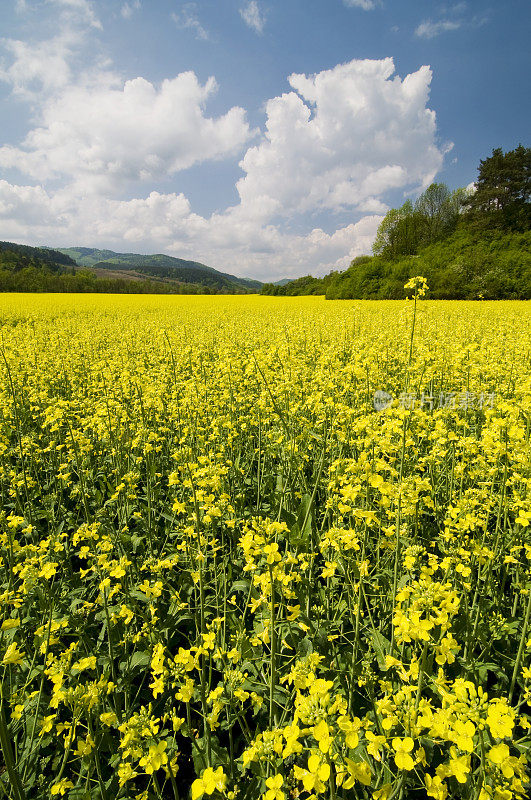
<point x="22" y="255"/>
<point x="81" y="269"/>
<point x="158" y="267"/>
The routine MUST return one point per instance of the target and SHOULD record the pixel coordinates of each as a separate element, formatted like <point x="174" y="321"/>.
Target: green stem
<point x="5" y="744"/>
<point x="520" y="648"/>
<point x="421" y="678"/>
<point x="272" y="677"/>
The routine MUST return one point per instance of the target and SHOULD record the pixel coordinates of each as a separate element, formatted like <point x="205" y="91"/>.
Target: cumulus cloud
<point x="252" y="16"/>
<point x="341" y="139"/>
<point x="337" y="141"/>
<point x="187" y="18"/>
<point x="166" y="222"/>
<point x="38" y="67"/>
<point x="103" y="136"/>
<point x="68" y="217"/>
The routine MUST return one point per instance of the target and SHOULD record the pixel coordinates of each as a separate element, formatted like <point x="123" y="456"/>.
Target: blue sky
<point x="263" y="138"/>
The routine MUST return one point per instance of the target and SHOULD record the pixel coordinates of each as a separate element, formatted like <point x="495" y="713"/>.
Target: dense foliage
<point x="503" y="191"/>
<point x="405" y="230"/>
<point x="22" y="255"/>
<point x="161" y="266"/>
<point x="35" y="269"/>
<point x="257" y="550"/>
<point x="493" y="265"/>
<point x="469" y="245"/>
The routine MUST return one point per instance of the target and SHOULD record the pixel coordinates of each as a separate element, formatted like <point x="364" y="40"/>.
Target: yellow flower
<point x="383" y="793"/>
<point x="329" y="569"/>
<point x="84" y="747"/>
<point x="47" y="724"/>
<point x="209" y="640"/>
<point x="85" y="663"/>
<point x="350" y="728"/>
<point x="501" y="757"/>
<point x="48" y="571"/>
<point x="125" y="773"/>
<point x="274" y="791"/>
<point x="314" y="777"/>
<point x="358" y="771"/>
<point x="376" y="742"/>
<point x="186" y="691"/>
<point x="157" y="685"/>
<point x="436" y="787"/>
<point x="61" y="787"/>
<point x="9" y="624"/>
<point x="291" y="734"/>
<point x="418" y="284"/>
<point x="209" y="781"/>
<point x="500" y="719"/>
<point x="321" y="733"/>
<point x="13" y="655"/>
<point x="459" y="766"/>
<point x="463" y="735"/>
<point x="155" y="759"/>
<point x="403" y="748"/>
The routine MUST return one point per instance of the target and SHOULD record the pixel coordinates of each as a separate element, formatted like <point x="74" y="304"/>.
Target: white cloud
<point x="38" y="67"/>
<point x="429" y="29"/>
<point x="366" y="5"/>
<point x="128" y="9"/>
<point x="68" y="217"/>
<point x="187" y="18"/>
<point x="252" y="16"/>
<point x="342" y="138"/>
<point x="35" y="69"/>
<point x="339" y="140"/>
<point x="102" y="136"/>
<point x="79" y="10"/>
<point x="452" y="19"/>
<point x="165" y="222"/>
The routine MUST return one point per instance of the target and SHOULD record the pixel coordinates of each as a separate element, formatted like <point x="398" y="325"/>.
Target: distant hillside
<point x="41" y="269"/>
<point x="160" y="267"/>
<point x="23" y="253"/>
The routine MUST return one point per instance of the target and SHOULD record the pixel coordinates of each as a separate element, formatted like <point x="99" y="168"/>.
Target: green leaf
<point x="382" y="647"/>
<point x="140" y="658"/>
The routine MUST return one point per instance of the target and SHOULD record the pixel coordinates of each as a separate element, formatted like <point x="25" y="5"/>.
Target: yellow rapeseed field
<point x="264" y="548"/>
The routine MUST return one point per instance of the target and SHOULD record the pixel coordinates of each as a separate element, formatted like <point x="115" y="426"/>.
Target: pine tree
<point x="503" y="191"/>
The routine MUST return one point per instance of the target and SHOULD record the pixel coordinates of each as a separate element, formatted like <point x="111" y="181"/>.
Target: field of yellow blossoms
<point x="264" y="548"/>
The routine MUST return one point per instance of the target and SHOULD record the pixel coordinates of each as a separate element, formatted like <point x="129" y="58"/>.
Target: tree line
<point x="468" y="244"/>
<point x="32" y="269"/>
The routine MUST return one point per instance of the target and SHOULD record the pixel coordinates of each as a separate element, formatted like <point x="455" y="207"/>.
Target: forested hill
<point x="160" y="266"/>
<point x="468" y="245"/>
<point x="23" y="255"/>
<point x="41" y="269"/>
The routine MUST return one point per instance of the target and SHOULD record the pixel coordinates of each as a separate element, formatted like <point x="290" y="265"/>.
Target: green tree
<point x="502" y="191"/>
<point x="440" y="209"/>
<point x="399" y="233"/>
